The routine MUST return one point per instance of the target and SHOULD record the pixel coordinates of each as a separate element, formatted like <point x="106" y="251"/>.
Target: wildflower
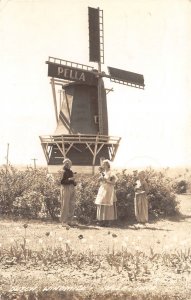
<point x="11" y="240"/>
<point x="40" y="241"/>
<point x="27" y="240"/>
<point x="183" y="242"/>
<point x="124" y="244"/>
<point x="60" y="238"/>
<point x="114" y="235"/>
<point x="91" y="247"/>
<point x="115" y="241"/>
<point x="84" y="241"/>
<point x="25" y="225"/>
<point x="47" y="233"/>
<point x="0" y="245"/>
<point x="68" y="241"/>
<point x="175" y="239"/>
<point x="80" y="236"/>
<point x="166" y="247"/>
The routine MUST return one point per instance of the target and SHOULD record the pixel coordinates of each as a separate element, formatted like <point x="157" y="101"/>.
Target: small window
<point x="96" y="119"/>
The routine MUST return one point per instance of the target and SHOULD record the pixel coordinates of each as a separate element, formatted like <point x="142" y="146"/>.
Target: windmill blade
<point x="126" y="77"/>
<point x="95" y="18"/>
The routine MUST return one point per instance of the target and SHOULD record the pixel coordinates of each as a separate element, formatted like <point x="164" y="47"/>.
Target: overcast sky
<point x="150" y="37"/>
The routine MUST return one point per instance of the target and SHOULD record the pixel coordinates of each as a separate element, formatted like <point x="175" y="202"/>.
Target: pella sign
<point x="71" y="74"/>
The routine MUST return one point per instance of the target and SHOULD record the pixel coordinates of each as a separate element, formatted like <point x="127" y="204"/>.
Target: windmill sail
<point x="126" y="77"/>
<point x="96" y="35"/>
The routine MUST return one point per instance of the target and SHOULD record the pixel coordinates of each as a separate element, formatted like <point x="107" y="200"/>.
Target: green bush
<point x="86" y="191"/>
<point x="180" y="187"/>
<point x="162" y="200"/>
<point x="34" y="193"/>
<point x="125" y="196"/>
<point x="28" y="205"/>
<point x="13" y="183"/>
<point x="30" y="193"/>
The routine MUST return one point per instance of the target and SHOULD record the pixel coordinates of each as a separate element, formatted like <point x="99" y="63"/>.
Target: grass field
<point x="151" y="261"/>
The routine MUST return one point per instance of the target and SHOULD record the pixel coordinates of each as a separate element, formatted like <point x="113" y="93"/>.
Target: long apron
<point x="106" y="212"/>
<point x="141" y="207"/>
<point x="106" y="203"/>
<point x="67" y="197"/>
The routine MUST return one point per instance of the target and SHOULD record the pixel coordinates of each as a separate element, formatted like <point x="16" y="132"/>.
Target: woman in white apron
<point x="106" y="197"/>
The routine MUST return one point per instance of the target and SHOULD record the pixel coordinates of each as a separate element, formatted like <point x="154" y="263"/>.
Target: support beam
<point x="54" y="98"/>
<point x="57" y="147"/>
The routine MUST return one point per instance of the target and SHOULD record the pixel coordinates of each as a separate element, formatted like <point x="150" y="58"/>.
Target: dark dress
<point x="67" y="196"/>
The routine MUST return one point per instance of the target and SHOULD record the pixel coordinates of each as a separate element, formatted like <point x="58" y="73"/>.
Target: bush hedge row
<point x="33" y="193"/>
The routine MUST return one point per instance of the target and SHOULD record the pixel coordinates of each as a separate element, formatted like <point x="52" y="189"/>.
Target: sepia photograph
<point x="95" y="150"/>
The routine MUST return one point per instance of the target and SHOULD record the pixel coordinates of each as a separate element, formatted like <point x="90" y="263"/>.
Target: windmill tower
<point x="81" y="110"/>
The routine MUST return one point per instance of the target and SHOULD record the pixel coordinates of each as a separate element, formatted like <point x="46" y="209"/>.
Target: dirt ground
<point x="162" y="236"/>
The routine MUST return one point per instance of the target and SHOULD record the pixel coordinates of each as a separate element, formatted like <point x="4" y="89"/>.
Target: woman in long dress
<point x="106" y="197"/>
<point x="141" y="200"/>
<point x="67" y="193"/>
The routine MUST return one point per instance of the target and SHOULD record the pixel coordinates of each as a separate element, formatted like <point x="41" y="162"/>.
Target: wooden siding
<point x="79" y="110"/>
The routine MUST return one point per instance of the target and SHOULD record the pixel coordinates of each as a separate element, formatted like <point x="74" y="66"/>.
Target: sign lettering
<point x="70" y="73"/>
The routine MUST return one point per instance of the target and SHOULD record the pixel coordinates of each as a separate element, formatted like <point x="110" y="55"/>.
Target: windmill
<point x="81" y="110"/>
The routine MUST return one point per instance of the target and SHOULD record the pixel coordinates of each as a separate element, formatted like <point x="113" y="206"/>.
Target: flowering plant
<point x="101" y="170"/>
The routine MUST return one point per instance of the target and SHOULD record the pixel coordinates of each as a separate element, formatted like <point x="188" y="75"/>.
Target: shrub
<point x="28" y="205"/>
<point x="125" y="196"/>
<point x="13" y="183"/>
<point x="180" y="187"/>
<point x="162" y="201"/>
<point x="86" y="191"/>
<point x="30" y="193"/>
<point x="34" y="193"/>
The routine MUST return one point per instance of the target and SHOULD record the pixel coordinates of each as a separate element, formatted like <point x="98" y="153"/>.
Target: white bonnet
<point x="106" y="161"/>
<point x="67" y="160"/>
